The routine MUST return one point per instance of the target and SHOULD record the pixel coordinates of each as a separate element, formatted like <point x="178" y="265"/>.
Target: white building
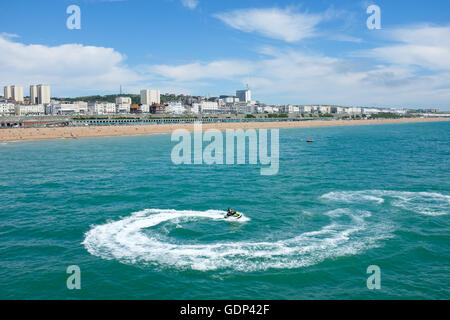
<point x="266" y="109"/>
<point x="399" y="111"/>
<point x="208" y="107"/>
<point x="43" y="91"/>
<point x="123" y="100"/>
<point x="338" y="110"/>
<point x="34" y="94"/>
<point x="65" y="108"/>
<point x="7" y="92"/>
<point x="195" y="108"/>
<point x="7" y="109"/>
<point x="69" y="108"/>
<point x="291" y="109"/>
<point x="324" y="109"/>
<point x="175" y="108"/>
<point x="205" y="107"/>
<point x="82" y="107"/>
<point x="150" y="97"/>
<point x="306" y="109"/>
<point x="353" y="110"/>
<point x="245" y="108"/>
<point x="123" y="104"/>
<point x="17" y="93"/>
<point x="79" y="107"/>
<point x="145" y="108"/>
<point x="371" y="110"/>
<point x="102" y="108"/>
<point x="123" y="108"/>
<point x="29" y="110"/>
<point x="230" y="99"/>
<point x="244" y="95"/>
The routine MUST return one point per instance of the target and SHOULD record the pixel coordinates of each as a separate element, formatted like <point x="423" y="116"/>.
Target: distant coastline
<point x="24" y="134"/>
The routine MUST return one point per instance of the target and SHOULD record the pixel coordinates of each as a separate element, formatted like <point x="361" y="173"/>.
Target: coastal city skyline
<point x="40" y="103"/>
<point x="312" y="53"/>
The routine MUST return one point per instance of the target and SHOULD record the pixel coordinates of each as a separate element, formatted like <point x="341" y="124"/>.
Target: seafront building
<point x="123" y="105"/>
<point x="7" y="109"/>
<point x="149" y="97"/>
<point x="17" y="93"/>
<point x="145" y="108"/>
<point x="102" y="108"/>
<point x="34" y="94"/>
<point x="7" y="92"/>
<point x="75" y="108"/>
<point x="43" y="94"/>
<point x="207" y="107"/>
<point x="123" y="100"/>
<point x="39" y="94"/>
<point x="175" y="108"/>
<point x="29" y="110"/>
<point x="123" y="108"/>
<point x="244" y="95"/>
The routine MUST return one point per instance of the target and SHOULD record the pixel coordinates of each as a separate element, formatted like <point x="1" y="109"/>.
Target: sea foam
<point x="125" y="241"/>
<point x="427" y="203"/>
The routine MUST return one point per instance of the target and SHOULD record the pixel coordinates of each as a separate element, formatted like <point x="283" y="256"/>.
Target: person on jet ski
<point x="230" y="212"/>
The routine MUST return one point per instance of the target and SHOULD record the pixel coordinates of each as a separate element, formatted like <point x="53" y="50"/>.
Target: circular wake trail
<point x="125" y="241"/>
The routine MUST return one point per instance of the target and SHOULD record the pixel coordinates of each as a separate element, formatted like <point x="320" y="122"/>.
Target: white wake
<point x="125" y="241"/>
<point x="427" y="203"/>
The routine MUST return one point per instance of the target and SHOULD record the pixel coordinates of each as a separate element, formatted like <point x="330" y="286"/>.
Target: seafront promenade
<point x="84" y="130"/>
<point x="55" y="121"/>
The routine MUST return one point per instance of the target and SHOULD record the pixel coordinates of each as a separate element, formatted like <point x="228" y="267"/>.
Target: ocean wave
<point x="125" y="241"/>
<point x="427" y="203"/>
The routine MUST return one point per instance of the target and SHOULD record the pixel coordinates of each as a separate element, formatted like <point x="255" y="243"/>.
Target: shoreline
<point x="26" y="134"/>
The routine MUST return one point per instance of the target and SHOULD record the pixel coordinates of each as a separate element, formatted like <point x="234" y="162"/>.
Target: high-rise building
<point x="7" y="92"/>
<point x="43" y="94"/>
<point x="244" y="95"/>
<point x="17" y="93"/>
<point x="149" y="97"/>
<point x="34" y="94"/>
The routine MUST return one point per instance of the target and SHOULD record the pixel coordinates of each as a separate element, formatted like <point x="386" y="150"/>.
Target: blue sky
<point x="299" y="52"/>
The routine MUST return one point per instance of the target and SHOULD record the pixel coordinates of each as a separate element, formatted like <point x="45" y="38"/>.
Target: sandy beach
<point x="20" y="134"/>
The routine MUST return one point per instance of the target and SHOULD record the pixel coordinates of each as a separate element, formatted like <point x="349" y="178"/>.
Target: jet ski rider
<point x="230" y="212"/>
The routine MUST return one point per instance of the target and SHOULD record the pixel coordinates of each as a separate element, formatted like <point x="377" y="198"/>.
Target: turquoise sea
<point x="140" y="227"/>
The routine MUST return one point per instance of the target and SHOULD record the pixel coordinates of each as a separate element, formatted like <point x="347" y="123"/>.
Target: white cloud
<point x="275" y="23"/>
<point x="7" y="35"/>
<point x="66" y="67"/>
<point x="422" y="46"/>
<point x="345" y="38"/>
<point x="190" y="4"/>
<point x="223" y="69"/>
<point x="288" y="76"/>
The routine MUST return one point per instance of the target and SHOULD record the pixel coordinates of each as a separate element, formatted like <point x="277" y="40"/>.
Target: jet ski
<point x="233" y="215"/>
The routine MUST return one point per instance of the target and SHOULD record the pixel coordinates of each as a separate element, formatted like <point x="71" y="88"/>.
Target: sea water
<point x="140" y="227"/>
